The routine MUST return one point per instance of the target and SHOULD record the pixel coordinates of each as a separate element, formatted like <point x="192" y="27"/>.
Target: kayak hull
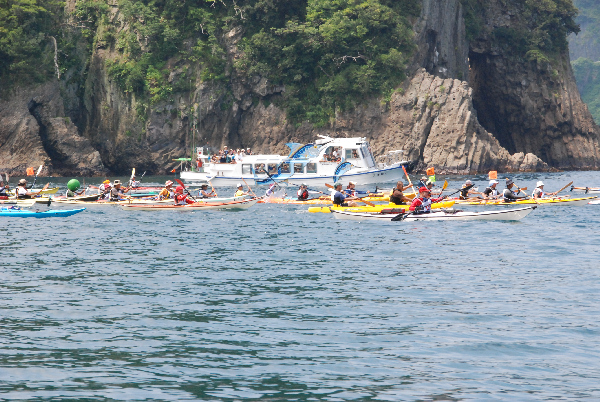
<point x="16" y="213"/>
<point x="573" y="202"/>
<point x="233" y="205"/>
<point x="443" y="215"/>
<point x="377" y="208"/>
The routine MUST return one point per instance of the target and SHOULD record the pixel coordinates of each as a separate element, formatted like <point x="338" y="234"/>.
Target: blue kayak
<point x="21" y="213"/>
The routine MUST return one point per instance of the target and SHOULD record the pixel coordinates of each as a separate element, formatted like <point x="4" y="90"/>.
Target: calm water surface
<point x="275" y="303"/>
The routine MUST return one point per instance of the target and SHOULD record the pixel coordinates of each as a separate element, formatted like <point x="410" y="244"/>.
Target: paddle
<point x="213" y="189"/>
<point x="570" y="184"/>
<point x="249" y="188"/>
<point x="408" y="178"/>
<point x="445" y="186"/>
<point x="185" y="189"/>
<point x="470" y="186"/>
<point x="355" y="198"/>
<point x="521" y="190"/>
<point x="143" y="174"/>
<point x="36" y="174"/>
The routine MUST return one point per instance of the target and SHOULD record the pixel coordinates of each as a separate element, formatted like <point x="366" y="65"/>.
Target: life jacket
<point x="302" y="194"/>
<point x="540" y="193"/>
<point x="338" y="198"/>
<point x="181" y="199"/>
<point x="421" y="205"/>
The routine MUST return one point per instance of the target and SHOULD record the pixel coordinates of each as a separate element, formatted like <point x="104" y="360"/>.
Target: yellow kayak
<point x="377" y="208"/>
<point x="542" y="201"/>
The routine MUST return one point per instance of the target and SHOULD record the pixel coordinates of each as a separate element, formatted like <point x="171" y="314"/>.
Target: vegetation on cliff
<point x="587" y="75"/>
<point x="541" y="33"/>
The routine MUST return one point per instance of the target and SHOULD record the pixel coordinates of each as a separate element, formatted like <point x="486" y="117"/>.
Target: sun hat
<point x="468" y="182"/>
<point x="117" y="182"/>
<point x="204" y="185"/>
<point x="430" y="182"/>
<point x="508" y="182"/>
<point x="304" y="185"/>
<point x="540" y="183"/>
<point x="168" y="183"/>
<point x="179" y="189"/>
<point x="492" y="182"/>
<point x="352" y="182"/>
<point x="22" y="181"/>
<point x="239" y="185"/>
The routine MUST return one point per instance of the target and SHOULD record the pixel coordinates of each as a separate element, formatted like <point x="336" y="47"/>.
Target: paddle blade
<point x="445" y="186"/>
<point x="399" y="217"/>
<point x="46" y="186"/>
<point x="328" y="185"/>
<point x="39" y="170"/>
<point x="180" y="183"/>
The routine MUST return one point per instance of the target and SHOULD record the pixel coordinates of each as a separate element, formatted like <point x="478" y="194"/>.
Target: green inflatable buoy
<point x="73" y="185"/>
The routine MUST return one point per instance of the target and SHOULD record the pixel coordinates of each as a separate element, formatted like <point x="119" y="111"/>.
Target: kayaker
<point x="181" y="198"/>
<point x="466" y="190"/>
<point x="422" y="203"/>
<point x="509" y="195"/>
<point x="397" y="195"/>
<point x="23" y="192"/>
<point x="491" y="192"/>
<point x="116" y="192"/>
<point x="340" y="199"/>
<point x="240" y="191"/>
<point x="167" y="192"/>
<point x="203" y="192"/>
<point x="271" y="190"/>
<point x="72" y="187"/>
<point x="422" y="182"/>
<point x="133" y="183"/>
<point x="303" y="192"/>
<point x="104" y="189"/>
<point x="539" y="190"/>
<point x="4" y="190"/>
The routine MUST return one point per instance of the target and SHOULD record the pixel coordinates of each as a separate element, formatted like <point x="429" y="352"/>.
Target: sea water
<point x="275" y="303"/>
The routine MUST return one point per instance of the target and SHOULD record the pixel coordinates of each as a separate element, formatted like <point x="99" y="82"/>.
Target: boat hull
<point x="446" y="215"/>
<point x="385" y="175"/>
<point x="573" y="202"/>
<point x="15" y="213"/>
<point x="377" y="208"/>
<point x="233" y="205"/>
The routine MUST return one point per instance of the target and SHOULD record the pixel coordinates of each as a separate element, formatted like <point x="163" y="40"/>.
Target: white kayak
<point x="442" y="215"/>
<point x="26" y="203"/>
<point x="235" y="205"/>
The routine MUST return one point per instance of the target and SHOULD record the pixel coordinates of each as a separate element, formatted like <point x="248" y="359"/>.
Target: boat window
<point x="259" y="168"/>
<point x="298" y="168"/>
<point x="311" y="167"/>
<point x="272" y="168"/>
<point x="246" y="168"/>
<point x="352" y="154"/>
<point x="332" y="154"/>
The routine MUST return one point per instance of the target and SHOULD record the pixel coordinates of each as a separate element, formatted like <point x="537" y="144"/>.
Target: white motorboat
<point x="441" y="215"/>
<point x="327" y="160"/>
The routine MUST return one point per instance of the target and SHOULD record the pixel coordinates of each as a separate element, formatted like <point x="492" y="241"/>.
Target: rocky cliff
<point x="466" y="107"/>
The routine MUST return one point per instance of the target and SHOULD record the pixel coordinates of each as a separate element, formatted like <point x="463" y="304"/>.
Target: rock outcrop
<point x="34" y="130"/>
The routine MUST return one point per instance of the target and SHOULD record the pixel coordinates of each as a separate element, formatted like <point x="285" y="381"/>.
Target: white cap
<point x="468" y="182"/>
<point x="492" y="182"/>
<point x="239" y="185"/>
<point x="352" y="182"/>
<point x="540" y="183"/>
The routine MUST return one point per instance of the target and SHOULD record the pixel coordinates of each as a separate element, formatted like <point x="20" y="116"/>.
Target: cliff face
<point x="464" y="108"/>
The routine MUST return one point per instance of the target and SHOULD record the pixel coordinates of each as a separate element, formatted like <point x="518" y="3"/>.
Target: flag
<point x="493" y="175"/>
<point x="30" y="171"/>
<point x="174" y="170"/>
<point x="430" y="172"/>
<point x="432" y="178"/>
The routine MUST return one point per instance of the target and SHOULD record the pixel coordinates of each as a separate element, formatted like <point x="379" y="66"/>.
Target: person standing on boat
<point x="240" y="191"/>
<point x="397" y="195"/>
<point x="491" y="192"/>
<point x="303" y="192"/>
<point x="422" y="203"/>
<point x="203" y="192"/>
<point x="539" y="190"/>
<point x="340" y="199"/>
<point x="509" y="195"/>
<point x="167" y="192"/>
<point x="181" y="198"/>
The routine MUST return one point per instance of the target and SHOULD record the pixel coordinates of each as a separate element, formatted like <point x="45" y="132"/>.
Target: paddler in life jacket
<point x="491" y="192"/>
<point x="465" y="191"/>
<point x="240" y="191"/>
<point x="22" y="191"/>
<point x="167" y="192"/>
<point x="4" y="190"/>
<point x="203" y="192"/>
<point x="303" y="192"/>
<point x="422" y="203"/>
<point x="509" y="195"/>
<point x="117" y="192"/>
<point x="422" y="182"/>
<point x="181" y="198"/>
<point x="72" y="187"/>
<point x="340" y="199"/>
<point x="539" y="190"/>
<point x="133" y="183"/>
<point x="397" y="195"/>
